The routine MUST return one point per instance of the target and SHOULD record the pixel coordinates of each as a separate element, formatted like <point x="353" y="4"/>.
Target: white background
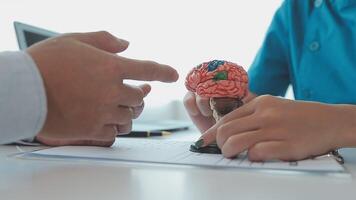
<point x="181" y="33"/>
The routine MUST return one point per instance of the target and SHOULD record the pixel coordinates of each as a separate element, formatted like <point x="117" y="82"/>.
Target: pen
<point x="335" y="154"/>
<point x="146" y="134"/>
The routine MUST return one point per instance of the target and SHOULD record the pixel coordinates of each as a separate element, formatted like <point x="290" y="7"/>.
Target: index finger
<point x="209" y="136"/>
<point x="145" y="70"/>
<point x="243" y="111"/>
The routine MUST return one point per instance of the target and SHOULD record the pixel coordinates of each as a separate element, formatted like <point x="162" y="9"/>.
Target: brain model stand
<point x="225" y="83"/>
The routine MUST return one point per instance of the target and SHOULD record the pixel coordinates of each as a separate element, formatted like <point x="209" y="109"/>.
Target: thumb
<point x="146" y="88"/>
<point x="102" y="40"/>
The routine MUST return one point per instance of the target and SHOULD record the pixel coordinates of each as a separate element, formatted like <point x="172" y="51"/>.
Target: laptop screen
<point x="32" y="38"/>
<point x="28" y="35"/>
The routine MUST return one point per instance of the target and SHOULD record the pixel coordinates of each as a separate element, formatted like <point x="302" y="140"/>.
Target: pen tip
<point x="166" y="133"/>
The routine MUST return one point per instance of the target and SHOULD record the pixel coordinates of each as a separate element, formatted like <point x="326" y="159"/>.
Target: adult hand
<point x="200" y="112"/>
<point x="274" y="128"/>
<point x="88" y="103"/>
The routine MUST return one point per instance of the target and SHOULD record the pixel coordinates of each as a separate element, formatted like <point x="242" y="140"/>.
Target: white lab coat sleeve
<point x="23" y="105"/>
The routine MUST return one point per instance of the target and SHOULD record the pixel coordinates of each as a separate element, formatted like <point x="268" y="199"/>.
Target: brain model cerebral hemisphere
<point x="225" y="83"/>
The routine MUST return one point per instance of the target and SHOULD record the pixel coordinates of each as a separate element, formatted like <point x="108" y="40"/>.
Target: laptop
<point x="28" y="35"/>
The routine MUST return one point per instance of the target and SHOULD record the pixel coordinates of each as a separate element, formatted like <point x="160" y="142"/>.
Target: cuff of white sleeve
<point x="24" y="99"/>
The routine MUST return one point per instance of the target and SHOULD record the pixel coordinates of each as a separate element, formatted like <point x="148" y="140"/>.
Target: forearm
<point x="22" y="97"/>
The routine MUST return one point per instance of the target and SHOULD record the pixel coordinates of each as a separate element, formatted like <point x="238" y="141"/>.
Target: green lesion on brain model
<point x="220" y="76"/>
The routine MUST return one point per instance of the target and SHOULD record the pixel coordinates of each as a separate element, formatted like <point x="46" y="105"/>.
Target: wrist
<point x="345" y="135"/>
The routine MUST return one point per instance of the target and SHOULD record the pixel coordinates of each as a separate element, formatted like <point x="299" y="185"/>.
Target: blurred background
<point x="181" y="33"/>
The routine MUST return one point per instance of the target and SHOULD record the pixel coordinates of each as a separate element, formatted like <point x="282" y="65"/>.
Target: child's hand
<point x="275" y="128"/>
<point x="200" y="112"/>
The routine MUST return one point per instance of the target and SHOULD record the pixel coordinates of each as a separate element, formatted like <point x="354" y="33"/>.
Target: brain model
<point x="218" y="79"/>
<point x="225" y="83"/>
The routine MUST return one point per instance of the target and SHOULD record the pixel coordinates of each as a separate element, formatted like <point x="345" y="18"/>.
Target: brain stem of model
<point x="225" y="83"/>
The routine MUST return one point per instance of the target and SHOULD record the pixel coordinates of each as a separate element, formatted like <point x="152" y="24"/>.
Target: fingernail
<point x="199" y="143"/>
<point x="123" y="41"/>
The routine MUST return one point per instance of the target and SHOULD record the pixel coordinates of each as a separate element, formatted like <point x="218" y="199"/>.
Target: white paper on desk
<point x="177" y="152"/>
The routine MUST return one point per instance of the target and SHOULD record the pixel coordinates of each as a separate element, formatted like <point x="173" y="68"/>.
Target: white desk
<point x="39" y="179"/>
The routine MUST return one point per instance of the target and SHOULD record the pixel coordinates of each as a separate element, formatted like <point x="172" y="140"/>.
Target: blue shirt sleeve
<point x="269" y="73"/>
<point x="23" y="105"/>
